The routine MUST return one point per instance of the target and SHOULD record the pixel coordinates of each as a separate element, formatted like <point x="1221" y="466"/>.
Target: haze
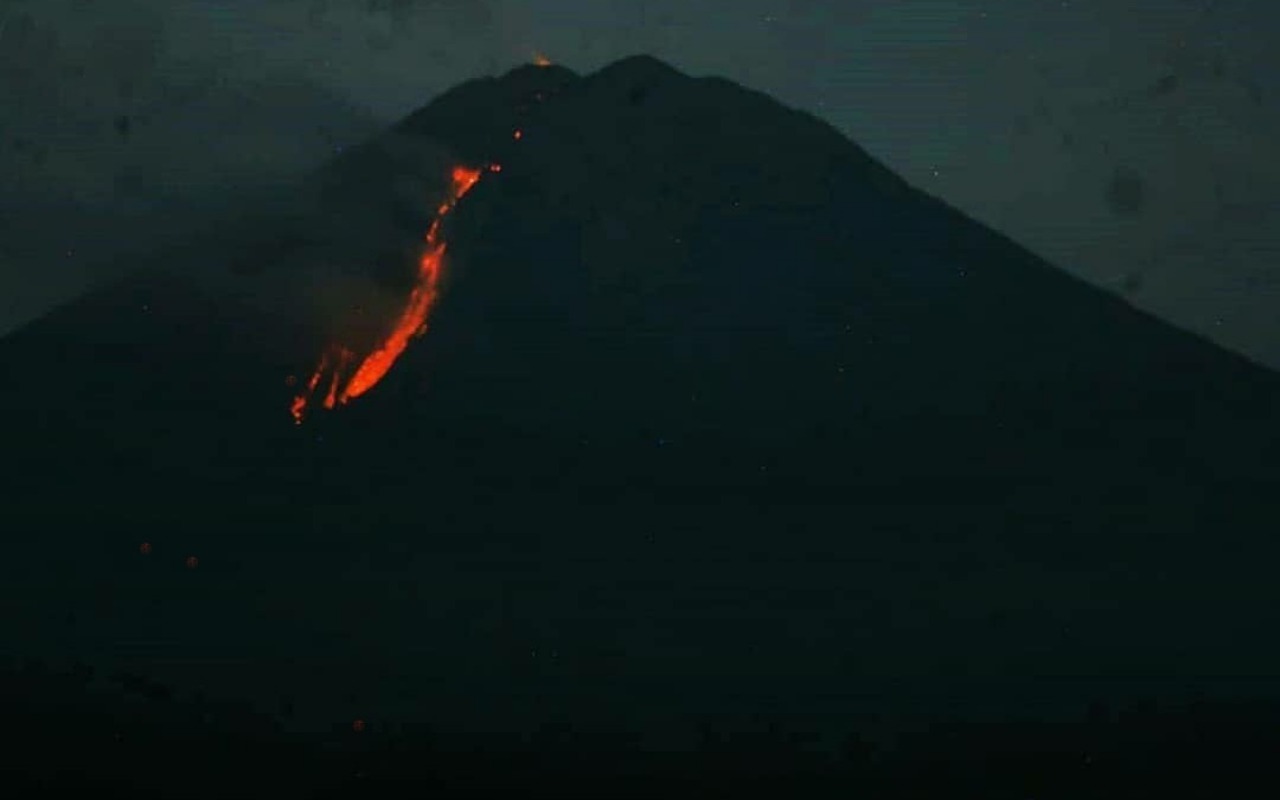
<point x="1136" y="144"/>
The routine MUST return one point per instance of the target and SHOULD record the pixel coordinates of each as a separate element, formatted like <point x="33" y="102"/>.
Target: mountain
<point x="712" y="415"/>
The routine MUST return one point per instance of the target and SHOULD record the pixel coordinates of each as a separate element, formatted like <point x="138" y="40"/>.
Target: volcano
<point x="684" y="407"/>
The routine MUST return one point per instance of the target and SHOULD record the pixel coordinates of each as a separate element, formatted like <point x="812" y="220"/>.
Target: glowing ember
<point x="540" y="60"/>
<point x="343" y="377"/>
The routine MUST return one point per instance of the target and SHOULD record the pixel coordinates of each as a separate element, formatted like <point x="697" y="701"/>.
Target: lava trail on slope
<point x="339" y="373"/>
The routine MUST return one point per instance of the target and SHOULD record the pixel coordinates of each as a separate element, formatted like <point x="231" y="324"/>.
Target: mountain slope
<point x="712" y="412"/>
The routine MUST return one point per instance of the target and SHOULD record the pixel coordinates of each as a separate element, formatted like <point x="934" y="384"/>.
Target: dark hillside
<point x="714" y="415"/>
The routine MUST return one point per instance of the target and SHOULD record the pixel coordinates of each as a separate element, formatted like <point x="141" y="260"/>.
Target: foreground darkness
<point x="144" y="742"/>
<point x="718" y="426"/>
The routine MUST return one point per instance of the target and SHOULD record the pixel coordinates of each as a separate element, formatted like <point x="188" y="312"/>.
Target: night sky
<point x="719" y="423"/>
<point x="1132" y="143"/>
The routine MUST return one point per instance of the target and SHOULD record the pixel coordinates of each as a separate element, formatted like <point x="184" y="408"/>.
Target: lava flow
<point x="339" y="372"/>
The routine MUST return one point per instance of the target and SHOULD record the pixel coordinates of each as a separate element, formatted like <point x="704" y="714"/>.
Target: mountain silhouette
<point x="712" y="414"/>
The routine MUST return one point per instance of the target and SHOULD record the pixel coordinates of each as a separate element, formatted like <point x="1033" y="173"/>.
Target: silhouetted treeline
<point x="71" y="730"/>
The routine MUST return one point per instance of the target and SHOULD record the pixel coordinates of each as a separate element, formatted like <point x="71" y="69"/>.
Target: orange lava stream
<point x="342" y="382"/>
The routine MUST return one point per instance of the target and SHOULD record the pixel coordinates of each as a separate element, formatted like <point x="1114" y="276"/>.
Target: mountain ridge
<point x="712" y="405"/>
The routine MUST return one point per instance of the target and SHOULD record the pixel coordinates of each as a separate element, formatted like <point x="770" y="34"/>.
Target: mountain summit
<point x="705" y="412"/>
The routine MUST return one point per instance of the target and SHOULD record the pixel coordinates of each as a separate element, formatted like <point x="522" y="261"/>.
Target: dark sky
<point x="1134" y="142"/>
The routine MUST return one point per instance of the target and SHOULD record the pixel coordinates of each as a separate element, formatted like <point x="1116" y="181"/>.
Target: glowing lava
<point x="339" y="374"/>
